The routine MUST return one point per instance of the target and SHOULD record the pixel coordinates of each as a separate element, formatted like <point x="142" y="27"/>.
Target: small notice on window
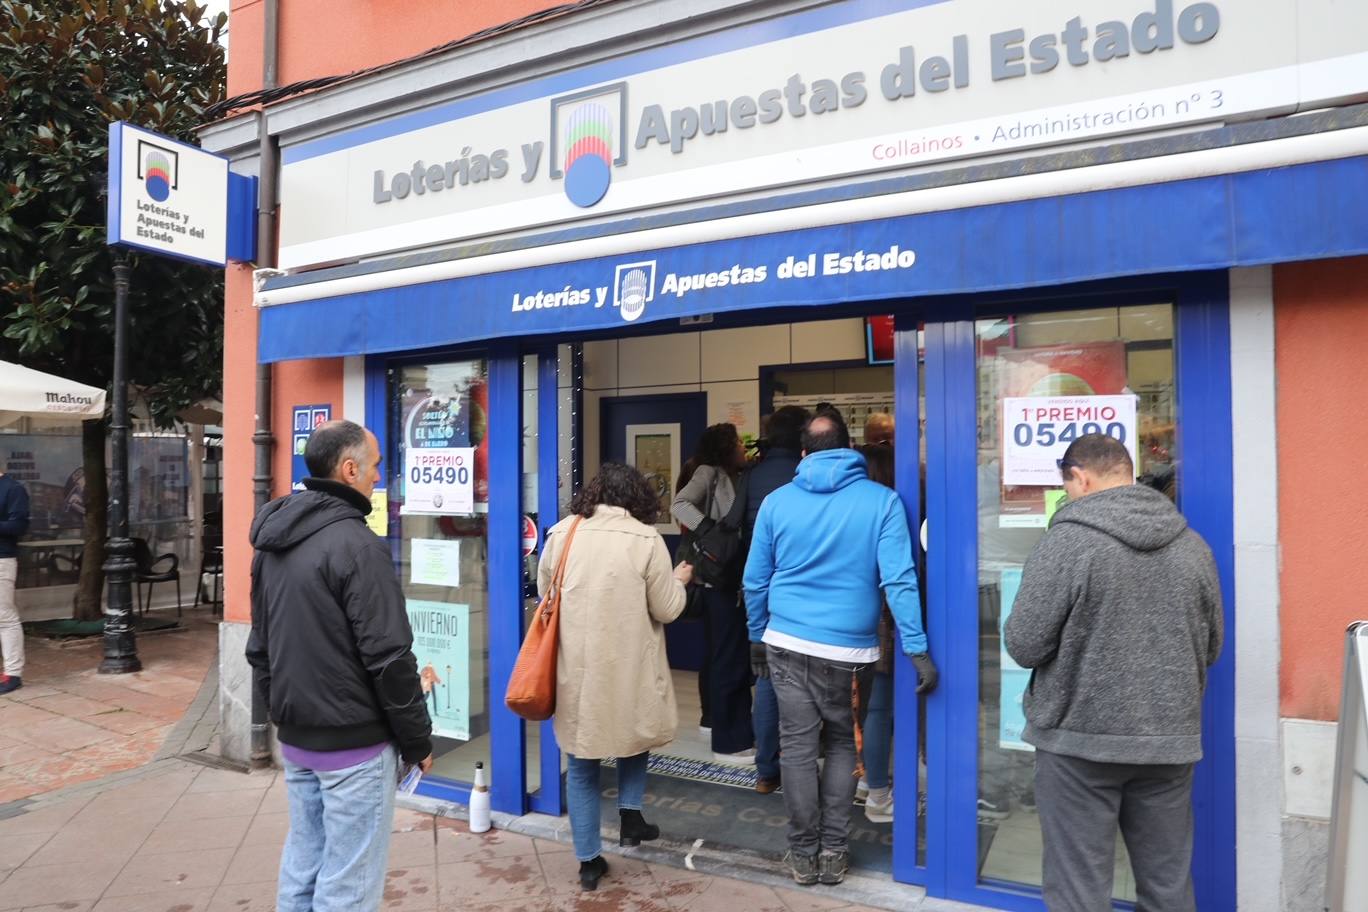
<point x="378" y="518"/>
<point x="434" y="562"/>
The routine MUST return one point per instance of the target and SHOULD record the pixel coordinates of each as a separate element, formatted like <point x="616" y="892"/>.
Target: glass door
<point x="439" y="482"/>
<point x="1035" y="373"/>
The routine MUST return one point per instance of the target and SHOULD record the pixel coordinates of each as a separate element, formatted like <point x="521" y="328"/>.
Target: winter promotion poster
<point x="1084" y="369"/>
<point x="1015" y="679"/>
<point x="441" y="641"/>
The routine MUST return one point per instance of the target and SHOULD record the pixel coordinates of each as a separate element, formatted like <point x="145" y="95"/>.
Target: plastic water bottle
<point x="479" y="802"/>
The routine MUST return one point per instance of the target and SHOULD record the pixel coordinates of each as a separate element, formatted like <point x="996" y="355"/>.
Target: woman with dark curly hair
<point x="614" y="693"/>
<point x="708" y="498"/>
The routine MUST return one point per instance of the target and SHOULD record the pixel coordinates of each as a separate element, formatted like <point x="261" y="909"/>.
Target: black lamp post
<point x="120" y="644"/>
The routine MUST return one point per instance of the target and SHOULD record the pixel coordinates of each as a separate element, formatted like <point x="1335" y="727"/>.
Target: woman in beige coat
<point x="614" y="695"/>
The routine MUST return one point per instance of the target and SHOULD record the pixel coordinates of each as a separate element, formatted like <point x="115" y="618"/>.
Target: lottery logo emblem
<point x="157" y="167"/>
<point x="587" y="141"/>
<point x="633" y="287"/>
<point x="588" y="160"/>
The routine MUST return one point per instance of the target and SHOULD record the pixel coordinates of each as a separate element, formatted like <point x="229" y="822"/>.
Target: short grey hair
<point x="332" y="444"/>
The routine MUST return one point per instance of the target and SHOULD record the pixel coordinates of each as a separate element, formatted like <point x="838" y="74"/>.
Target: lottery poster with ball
<point x="445" y="470"/>
<point x="1085" y="372"/>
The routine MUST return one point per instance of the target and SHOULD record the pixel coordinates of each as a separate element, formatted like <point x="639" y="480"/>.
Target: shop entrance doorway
<point x="654" y="434"/>
<point x="737" y="376"/>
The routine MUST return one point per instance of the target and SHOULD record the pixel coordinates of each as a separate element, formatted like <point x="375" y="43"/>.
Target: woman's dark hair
<point x="717" y="447"/>
<point x="618" y="485"/>
<point x="685" y="473"/>
<point x="879" y="462"/>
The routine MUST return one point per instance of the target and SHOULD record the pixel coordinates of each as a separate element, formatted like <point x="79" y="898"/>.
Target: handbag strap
<point x="712" y="494"/>
<point x="559" y="575"/>
<point x="737" y="513"/>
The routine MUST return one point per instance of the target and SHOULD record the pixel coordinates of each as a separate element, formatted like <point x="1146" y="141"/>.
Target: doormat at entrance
<point x="687" y="810"/>
<point x="700" y="771"/>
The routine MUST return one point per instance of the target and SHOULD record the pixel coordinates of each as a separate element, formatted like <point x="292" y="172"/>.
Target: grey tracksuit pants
<point x="1082" y="802"/>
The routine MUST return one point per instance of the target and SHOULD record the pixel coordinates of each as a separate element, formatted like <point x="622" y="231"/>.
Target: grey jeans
<point x="816" y="709"/>
<point x="1081" y="802"/>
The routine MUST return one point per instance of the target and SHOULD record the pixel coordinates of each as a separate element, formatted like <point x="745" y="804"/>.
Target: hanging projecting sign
<point x="1037" y="430"/>
<point x="167" y="197"/>
<point x="438" y="477"/>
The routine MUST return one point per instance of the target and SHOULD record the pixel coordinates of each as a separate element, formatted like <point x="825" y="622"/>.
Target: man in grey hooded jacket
<point x="1119" y="617"/>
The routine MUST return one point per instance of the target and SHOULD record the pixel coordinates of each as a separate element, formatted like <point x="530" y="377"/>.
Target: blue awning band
<point x="1310" y="211"/>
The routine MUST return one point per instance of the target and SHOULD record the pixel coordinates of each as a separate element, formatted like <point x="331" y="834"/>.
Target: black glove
<point x="927" y="676"/>
<point x="759" y="660"/>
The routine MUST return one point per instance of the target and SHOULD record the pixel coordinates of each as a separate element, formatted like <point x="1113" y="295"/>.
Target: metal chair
<point x="152" y="571"/>
<point x="211" y="561"/>
<point x="64" y="568"/>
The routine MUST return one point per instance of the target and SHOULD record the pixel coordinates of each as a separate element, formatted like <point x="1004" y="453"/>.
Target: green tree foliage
<point x="68" y="68"/>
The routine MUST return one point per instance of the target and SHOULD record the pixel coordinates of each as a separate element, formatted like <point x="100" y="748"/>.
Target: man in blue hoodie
<point x="823" y="548"/>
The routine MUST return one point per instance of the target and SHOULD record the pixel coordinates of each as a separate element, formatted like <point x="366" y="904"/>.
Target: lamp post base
<point x="117" y="665"/>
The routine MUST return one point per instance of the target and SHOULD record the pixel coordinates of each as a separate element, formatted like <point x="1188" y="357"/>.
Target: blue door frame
<point x="1202" y="363"/>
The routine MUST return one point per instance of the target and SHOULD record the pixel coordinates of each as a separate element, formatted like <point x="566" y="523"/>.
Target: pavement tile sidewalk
<point x="68" y="724"/>
<point x="179" y="837"/>
<point x="100" y="813"/>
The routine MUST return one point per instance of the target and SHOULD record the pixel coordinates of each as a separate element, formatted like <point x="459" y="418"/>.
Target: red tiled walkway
<point x="68" y="724"/>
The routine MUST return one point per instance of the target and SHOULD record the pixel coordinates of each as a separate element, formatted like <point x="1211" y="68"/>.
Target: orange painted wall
<point x="300" y="383"/>
<point x="336" y="37"/>
<point x="295" y="382"/>
<point x="1321" y="320"/>
<point x="239" y="421"/>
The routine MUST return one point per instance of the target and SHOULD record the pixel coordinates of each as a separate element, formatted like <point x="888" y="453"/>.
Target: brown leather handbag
<point x="532" y="686"/>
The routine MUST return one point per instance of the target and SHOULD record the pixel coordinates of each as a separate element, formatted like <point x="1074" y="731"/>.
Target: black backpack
<point x="715" y="548"/>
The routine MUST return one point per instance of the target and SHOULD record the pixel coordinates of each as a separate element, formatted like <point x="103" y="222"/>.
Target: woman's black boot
<point x="591" y="871"/>
<point x="634" y="829"/>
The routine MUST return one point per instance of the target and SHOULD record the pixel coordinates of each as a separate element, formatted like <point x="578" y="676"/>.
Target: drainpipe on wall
<point x="263" y="440"/>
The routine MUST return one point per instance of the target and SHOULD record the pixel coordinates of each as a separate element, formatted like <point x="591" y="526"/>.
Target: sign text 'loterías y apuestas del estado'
<point x="843" y="89"/>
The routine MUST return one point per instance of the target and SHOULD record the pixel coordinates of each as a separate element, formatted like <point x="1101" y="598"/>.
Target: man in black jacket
<point x="332" y="653"/>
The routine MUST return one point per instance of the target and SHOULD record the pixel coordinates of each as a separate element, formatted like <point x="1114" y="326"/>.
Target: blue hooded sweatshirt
<point x="824" y="545"/>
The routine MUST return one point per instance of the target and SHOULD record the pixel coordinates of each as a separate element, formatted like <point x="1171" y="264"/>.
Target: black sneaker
<point x="10" y="683"/>
<point x="832" y="867"/>
<point x="802" y="867"/>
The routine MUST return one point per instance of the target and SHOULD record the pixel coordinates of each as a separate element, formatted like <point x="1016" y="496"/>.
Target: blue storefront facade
<point x="1127" y="241"/>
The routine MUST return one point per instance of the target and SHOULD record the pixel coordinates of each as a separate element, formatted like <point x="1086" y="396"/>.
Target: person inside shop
<point x="782" y="448"/>
<point x="878" y="727"/>
<point x="618" y="592"/>
<point x="823" y="548"/>
<point x="707" y="499"/>
<point x="1119" y="617"/>
<point x="878" y="429"/>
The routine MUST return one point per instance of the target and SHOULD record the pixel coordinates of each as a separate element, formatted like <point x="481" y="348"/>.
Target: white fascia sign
<point x="167" y="197"/>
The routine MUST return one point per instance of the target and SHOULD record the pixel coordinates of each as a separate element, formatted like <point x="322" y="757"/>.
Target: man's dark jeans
<point x="817" y="709"/>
